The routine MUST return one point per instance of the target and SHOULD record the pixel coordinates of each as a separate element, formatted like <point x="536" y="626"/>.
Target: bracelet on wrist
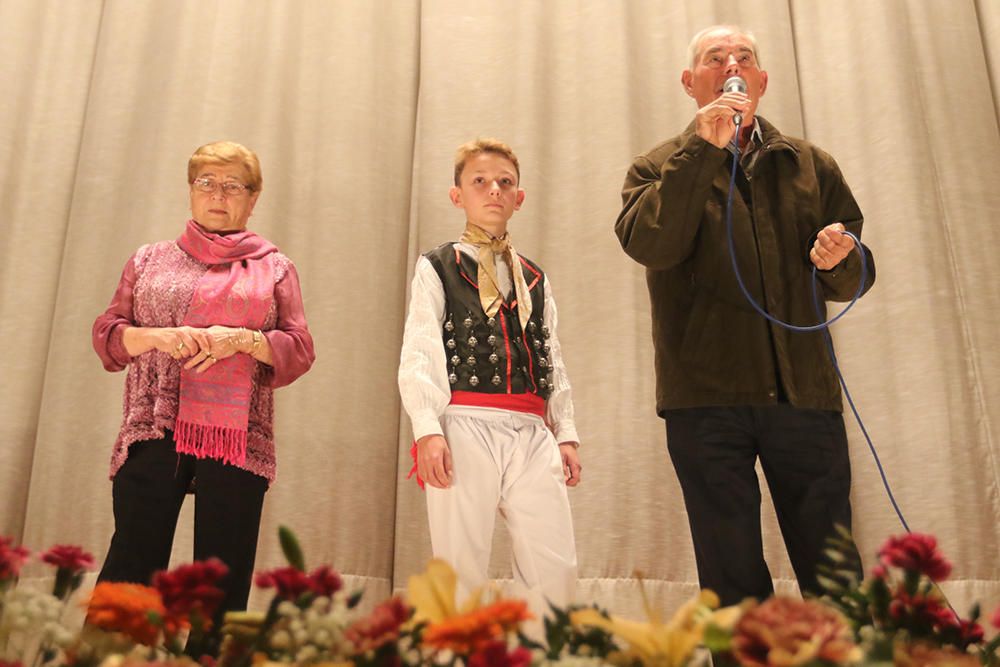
<point x="258" y="340"/>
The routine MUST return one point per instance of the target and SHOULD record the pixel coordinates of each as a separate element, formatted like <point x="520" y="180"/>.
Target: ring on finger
<point x="180" y="346"/>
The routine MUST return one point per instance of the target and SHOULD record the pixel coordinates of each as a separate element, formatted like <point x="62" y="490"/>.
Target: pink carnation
<point x="996" y="618"/>
<point x="915" y="552"/>
<point x="325" y="581"/>
<point x="970" y="632"/>
<point x="289" y="583"/>
<point x="11" y="559"/>
<point x="69" y="557"/>
<point x="924" y="610"/>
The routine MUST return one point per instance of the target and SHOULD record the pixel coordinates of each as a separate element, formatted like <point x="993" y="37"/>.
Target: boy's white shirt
<point x="423" y="364"/>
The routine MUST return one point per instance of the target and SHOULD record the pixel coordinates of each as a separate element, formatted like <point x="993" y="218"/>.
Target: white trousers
<point x="508" y="461"/>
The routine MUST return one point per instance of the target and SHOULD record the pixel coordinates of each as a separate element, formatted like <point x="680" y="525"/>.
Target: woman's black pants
<point x="147" y="494"/>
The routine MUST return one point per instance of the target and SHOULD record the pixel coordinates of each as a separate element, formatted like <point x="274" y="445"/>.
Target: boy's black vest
<point x="491" y="354"/>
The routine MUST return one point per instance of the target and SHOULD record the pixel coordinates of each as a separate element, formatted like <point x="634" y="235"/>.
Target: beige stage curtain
<point x="355" y="107"/>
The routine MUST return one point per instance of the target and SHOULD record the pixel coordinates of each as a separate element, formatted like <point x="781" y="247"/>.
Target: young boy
<point x="482" y="378"/>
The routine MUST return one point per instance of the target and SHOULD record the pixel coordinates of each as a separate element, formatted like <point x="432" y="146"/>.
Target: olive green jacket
<point x="712" y="348"/>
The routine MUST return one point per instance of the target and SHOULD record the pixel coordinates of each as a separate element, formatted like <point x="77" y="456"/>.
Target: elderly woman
<point x="208" y="325"/>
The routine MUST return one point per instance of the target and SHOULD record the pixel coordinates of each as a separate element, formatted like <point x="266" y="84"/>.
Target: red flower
<point x="494" y="654"/>
<point x="69" y="557"/>
<point x="921" y="615"/>
<point x="917" y="553"/>
<point x="996" y="618"/>
<point x="380" y="628"/>
<point x="192" y="588"/>
<point x="11" y="559"/>
<point x="289" y="582"/>
<point x="325" y="581"/>
<point x="970" y="632"/>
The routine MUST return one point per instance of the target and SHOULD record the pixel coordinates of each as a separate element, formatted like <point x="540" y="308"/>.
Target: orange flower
<point x="126" y="608"/>
<point x="468" y="632"/>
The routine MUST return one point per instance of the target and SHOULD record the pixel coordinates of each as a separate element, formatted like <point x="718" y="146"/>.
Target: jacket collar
<point x="775" y="140"/>
<point x="772" y="138"/>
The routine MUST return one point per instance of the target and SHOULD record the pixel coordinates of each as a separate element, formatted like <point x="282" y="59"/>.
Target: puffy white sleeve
<point x="423" y="367"/>
<point x="559" y="408"/>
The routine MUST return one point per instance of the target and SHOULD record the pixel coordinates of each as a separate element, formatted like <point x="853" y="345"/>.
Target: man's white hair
<point x="696" y="42"/>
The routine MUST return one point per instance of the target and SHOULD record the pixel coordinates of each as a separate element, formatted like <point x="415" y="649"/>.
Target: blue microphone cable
<point x="822" y="326"/>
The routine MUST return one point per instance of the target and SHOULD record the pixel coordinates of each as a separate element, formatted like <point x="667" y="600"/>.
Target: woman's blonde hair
<point x="227" y="152"/>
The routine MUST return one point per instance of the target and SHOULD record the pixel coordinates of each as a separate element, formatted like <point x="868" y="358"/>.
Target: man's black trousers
<point x="804" y="456"/>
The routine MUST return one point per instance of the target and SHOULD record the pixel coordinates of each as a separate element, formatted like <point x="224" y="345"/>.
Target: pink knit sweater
<point x="154" y="291"/>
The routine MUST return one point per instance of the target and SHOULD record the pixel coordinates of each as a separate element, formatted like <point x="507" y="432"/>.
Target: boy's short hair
<point x="471" y="149"/>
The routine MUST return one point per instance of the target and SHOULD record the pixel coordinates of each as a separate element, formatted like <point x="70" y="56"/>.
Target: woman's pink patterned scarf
<point x="236" y="291"/>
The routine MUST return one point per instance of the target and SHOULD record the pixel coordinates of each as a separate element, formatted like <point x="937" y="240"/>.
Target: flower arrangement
<point x="899" y="613"/>
<point x="32" y="629"/>
<point x="896" y="615"/>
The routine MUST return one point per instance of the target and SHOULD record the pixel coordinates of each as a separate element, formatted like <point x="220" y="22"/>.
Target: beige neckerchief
<point x="489" y="286"/>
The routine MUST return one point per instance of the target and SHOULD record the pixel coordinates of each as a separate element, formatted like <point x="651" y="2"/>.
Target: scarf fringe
<point x="225" y="444"/>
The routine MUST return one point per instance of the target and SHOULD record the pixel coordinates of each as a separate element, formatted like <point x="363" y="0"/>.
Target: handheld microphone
<point x="735" y="84"/>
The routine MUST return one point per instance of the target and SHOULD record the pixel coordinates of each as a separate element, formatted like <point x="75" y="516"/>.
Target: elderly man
<point x="733" y="387"/>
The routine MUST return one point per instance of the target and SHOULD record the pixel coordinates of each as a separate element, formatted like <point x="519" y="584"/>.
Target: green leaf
<point x="354" y="599"/>
<point x="843" y="532"/>
<point x="828" y="584"/>
<point x="835" y="555"/>
<point x="716" y="639"/>
<point x="290" y="547"/>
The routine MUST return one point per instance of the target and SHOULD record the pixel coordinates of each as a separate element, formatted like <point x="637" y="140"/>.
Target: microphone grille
<point x="734" y="84"/>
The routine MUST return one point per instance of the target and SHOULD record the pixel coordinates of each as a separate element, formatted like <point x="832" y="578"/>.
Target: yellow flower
<point x="461" y="629"/>
<point x="432" y="594"/>
<point x="660" y="644"/>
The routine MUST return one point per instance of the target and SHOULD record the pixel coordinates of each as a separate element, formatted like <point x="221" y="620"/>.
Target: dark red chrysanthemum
<point x="69" y="557"/>
<point x="915" y="552"/>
